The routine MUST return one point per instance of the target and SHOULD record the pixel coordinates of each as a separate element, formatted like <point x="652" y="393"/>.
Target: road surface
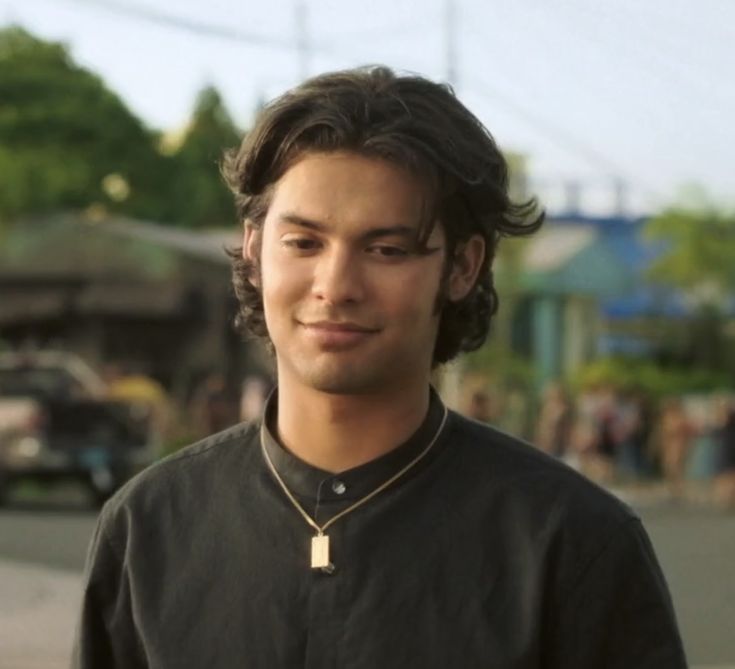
<point x="42" y="550"/>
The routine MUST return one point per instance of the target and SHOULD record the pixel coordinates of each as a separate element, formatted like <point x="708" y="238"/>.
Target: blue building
<point x="585" y="293"/>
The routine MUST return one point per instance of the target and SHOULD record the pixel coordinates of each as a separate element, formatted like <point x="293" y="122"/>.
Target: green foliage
<point x="67" y="142"/>
<point x="505" y="368"/>
<point x="700" y="253"/>
<point x="698" y="258"/>
<point x="62" y="131"/>
<point x="517" y="175"/>
<point x="656" y="380"/>
<point x="200" y="195"/>
<point x="35" y="180"/>
<point x="496" y="358"/>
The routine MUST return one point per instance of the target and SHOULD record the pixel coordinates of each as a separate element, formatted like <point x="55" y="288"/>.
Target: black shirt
<point x="487" y="553"/>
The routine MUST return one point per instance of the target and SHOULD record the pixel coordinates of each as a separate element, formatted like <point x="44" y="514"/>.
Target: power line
<point x="560" y="136"/>
<point x="189" y="25"/>
<point x="647" y="53"/>
<point x="450" y="36"/>
<point x="570" y="142"/>
<point x="302" y="38"/>
<point x="383" y="34"/>
<point x="687" y="28"/>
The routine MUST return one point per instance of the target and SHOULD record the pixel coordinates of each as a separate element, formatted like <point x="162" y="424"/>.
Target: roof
<point x="554" y="247"/>
<point x="72" y="245"/>
<point x="39" y="306"/>
<point x="572" y="259"/>
<point x="204" y="244"/>
<point x="134" y="299"/>
<point x="623" y="237"/>
<point x="40" y="301"/>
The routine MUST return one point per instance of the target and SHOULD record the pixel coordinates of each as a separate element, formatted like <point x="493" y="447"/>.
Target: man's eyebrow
<point x="373" y="233"/>
<point x="391" y="231"/>
<point x="295" y="219"/>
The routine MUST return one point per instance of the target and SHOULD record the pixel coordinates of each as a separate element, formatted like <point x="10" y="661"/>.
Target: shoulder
<point x="539" y="501"/>
<point x="522" y="475"/>
<point x="186" y="478"/>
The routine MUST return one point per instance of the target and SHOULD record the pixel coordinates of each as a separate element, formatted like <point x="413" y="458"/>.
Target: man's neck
<point x="339" y="432"/>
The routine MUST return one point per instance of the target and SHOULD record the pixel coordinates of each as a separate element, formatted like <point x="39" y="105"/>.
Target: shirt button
<point x="338" y="487"/>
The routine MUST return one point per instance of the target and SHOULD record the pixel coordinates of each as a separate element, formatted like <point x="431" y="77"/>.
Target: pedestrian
<point x="724" y="482"/>
<point x="360" y="523"/>
<point x="675" y="434"/>
<point x="632" y="431"/>
<point x="479" y="407"/>
<point x="591" y="442"/>
<point x="555" y="421"/>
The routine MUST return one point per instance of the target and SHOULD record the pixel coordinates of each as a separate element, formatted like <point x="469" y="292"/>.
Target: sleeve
<point x="618" y="614"/>
<point x="106" y="636"/>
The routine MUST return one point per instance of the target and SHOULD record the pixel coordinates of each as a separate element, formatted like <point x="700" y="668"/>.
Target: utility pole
<point x="620" y="189"/>
<point x="302" y="39"/>
<point x="450" y="41"/>
<point x="452" y="375"/>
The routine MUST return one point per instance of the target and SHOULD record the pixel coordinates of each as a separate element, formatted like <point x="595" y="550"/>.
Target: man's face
<point x="349" y="303"/>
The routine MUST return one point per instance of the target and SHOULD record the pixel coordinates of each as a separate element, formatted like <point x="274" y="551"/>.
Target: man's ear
<point x="468" y="259"/>
<point x="251" y="242"/>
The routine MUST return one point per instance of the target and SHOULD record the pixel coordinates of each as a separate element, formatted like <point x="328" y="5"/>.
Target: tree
<point x="200" y="194"/>
<point x="67" y="141"/>
<point x="698" y="257"/>
<point x="699" y="250"/>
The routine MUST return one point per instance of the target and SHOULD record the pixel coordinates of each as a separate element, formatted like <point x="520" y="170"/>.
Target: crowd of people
<point x="628" y="436"/>
<point x="612" y="436"/>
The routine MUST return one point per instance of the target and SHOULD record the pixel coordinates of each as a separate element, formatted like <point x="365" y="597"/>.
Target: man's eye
<point x="300" y="243"/>
<point x="388" y="251"/>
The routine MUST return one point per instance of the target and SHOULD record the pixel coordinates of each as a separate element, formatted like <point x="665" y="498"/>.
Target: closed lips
<point x="329" y="326"/>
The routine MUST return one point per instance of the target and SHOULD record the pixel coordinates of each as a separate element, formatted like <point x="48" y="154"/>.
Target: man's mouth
<point x="337" y="335"/>
<point x="338" y="326"/>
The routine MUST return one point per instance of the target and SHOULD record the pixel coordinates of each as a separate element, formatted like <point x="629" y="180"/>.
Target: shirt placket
<point x="326" y="612"/>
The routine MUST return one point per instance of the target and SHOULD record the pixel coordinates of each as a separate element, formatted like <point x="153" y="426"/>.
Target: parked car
<point x="55" y="424"/>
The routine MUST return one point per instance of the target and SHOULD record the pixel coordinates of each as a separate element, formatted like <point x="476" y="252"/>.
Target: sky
<point x="639" y="92"/>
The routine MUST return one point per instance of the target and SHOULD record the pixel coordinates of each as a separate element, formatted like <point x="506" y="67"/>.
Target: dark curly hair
<point x="420" y="126"/>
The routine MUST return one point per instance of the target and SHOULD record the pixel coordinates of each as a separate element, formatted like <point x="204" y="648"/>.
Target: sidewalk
<point x="38" y="608"/>
<point x="642" y="495"/>
<point x="655" y="494"/>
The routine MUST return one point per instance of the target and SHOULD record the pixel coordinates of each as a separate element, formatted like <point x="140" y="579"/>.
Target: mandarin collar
<point x="310" y="482"/>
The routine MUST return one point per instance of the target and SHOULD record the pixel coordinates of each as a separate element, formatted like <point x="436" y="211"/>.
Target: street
<point x="696" y="547"/>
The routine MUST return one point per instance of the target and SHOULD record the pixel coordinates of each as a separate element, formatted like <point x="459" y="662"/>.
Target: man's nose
<point x="338" y="277"/>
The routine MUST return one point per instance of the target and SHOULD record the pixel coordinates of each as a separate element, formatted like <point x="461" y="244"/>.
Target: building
<point x="148" y="296"/>
<point x="584" y="293"/>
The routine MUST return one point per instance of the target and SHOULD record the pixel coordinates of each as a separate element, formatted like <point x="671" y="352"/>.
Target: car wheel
<point x="4" y="489"/>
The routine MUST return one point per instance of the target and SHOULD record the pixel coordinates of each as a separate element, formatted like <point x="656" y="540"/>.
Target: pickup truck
<point x="55" y="423"/>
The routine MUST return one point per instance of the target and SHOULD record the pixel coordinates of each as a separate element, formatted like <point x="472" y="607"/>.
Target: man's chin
<point x="344" y="386"/>
<point x="344" y="381"/>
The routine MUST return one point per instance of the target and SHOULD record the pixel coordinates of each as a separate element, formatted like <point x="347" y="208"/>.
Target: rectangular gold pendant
<point x="319" y="551"/>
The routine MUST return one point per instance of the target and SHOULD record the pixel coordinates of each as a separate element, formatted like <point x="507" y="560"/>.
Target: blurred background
<point x="614" y="345"/>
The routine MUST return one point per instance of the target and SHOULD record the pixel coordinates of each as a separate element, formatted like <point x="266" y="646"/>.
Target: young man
<point x="361" y="524"/>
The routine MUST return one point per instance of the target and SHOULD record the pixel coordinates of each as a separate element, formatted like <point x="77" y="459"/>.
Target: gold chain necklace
<point x="320" y="541"/>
